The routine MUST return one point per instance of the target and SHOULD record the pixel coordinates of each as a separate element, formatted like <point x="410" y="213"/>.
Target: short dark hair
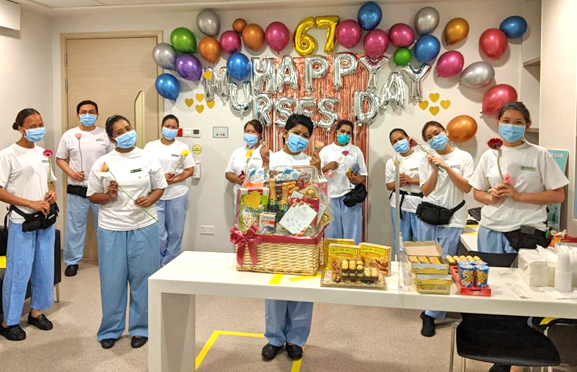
<point x="168" y="117"/>
<point x="342" y="123"/>
<point x="516" y="106"/>
<point x="256" y="124"/>
<point x="86" y="102"/>
<point x="22" y="115"/>
<point x="431" y="124"/>
<point x="111" y="121"/>
<point x="296" y="119"/>
<point x="398" y="130"/>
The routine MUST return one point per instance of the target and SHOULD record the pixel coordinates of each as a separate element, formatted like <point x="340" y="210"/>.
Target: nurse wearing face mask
<point x="127" y="182"/>
<point x="444" y="181"/>
<point x="177" y="165"/>
<point x="411" y="195"/>
<point x="78" y="150"/>
<point x="336" y="159"/>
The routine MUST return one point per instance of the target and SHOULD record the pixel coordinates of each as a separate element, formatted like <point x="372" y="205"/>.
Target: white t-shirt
<point x="24" y="173"/>
<point x="446" y="194"/>
<point x="238" y="162"/>
<point x="281" y="158"/>
<point x="171" y="160"/>
<point x="138" y="173"/>
<point x="409" y="165"/>
<point x="339" y="184"/>
<point x="93" y="145"/>
<point x="533" y="170"/>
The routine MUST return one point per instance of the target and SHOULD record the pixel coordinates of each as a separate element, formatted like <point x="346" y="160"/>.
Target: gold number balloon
<point x="305" y="44"/>
<point x="456" y="30"/>
<point x="330" y="23"/>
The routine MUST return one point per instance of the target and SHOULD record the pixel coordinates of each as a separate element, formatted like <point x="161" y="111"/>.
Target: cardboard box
<point x="326" y="243"/>
<point x="433" y="284"/>
<point x="427" y="249"/>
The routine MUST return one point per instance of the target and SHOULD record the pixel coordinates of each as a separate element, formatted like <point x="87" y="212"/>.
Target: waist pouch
<point x="37" y="220"/>
<point x="435" y="215"/>
<point x="77" y="190"/>
<point x="403" y="194"/>
<point x="527" y="237"/>
<point x="356" y="195"/>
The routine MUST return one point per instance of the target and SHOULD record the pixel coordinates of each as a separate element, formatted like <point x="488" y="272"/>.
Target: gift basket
<point x="280" y="218"/>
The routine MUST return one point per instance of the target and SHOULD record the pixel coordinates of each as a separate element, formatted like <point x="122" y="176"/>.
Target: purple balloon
<point x="376" y="43"/>
<point x="401" y="35"/>
<point x="277" y="36"/>
<point x="450" y="64"/>
<point x="189" y="67"/>
<point x="230" y="42"/>
<point x="348" y="33"/>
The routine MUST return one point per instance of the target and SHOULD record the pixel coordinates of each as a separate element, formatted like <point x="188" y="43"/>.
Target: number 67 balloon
<point x="305" y="44"/>
<point x="330" y="23"/>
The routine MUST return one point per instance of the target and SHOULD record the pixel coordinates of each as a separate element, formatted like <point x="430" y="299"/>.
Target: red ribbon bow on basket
<point x="241" y="240"/>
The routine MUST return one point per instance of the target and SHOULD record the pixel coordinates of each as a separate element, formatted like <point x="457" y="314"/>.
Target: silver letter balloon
<point x="368" y="116"/>
<point x="344" y="64"/>
<point x="262" y="108"/>
<point x="415" y="79"/>
<point x="315" y="68"/>
<point x="327" y="109"/>
<point x="262" y="75"/>
<point x="286" y="74"/>
<point x="238" y="106"/>
<point x="282" y="110"/>
<point x="373" y="67"/>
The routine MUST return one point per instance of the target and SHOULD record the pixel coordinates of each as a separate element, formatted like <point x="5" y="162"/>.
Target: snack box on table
<point x="363" y="274"/>
<point x="328" y="241"/>
<point x="433" y="283"/>
<point x="429" y="250"/>
<point x="378" y="256"/>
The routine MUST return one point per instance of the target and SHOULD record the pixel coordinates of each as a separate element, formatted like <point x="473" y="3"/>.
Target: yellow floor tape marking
<point x="241" y="334"/>
<point x="276" y="279"/>
<point x="297" y="278"/>
<point x="206" y="349"/>
<point x="471" y="233"/>
<point x="297" y="364"/>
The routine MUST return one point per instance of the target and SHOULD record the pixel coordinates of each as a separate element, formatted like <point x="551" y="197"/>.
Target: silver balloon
<point x="327" y="108"/>
<point x="344" y="64"/>
<point x="315" y="68"/>
<point x="282" y="110"/>
<point x="373" y="67"/>
<point x="262" y="107"/>
<point x="262" y="75"/>
<point x="216" y="85"/>
<point x="164" y="56"/>
<point x="415" y="79"/>
<point x="393" y="92"/>
<point x="208" y="22"/>
<point x="304" y="104"/>
<point x="286" y="74"/>
<point x="477" y="75"/>
<point x="426" y="20"/>
<point x="240" y="106"/>
<point x="368" y="116"/>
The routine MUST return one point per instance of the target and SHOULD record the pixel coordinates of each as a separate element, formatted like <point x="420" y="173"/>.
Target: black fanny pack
<point x="356" y="195"/>
<point x="77" y="190"/>
<point x="435" y="215"/>
<point x="37" y="220"/>
<point x="403" y="194"/>
<point x="527" y="237"/>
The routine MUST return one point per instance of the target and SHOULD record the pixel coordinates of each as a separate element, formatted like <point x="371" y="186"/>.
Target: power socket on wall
<point x="206" y="229"/>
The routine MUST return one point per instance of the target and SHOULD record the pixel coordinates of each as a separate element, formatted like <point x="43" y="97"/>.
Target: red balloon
<point x="277" y="36"/>
<point x="497" y="97"/>
<point x="376" y="43"/>
<point x="493" y="42"/>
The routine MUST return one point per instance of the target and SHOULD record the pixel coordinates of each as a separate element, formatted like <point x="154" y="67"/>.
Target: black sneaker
<point x="428" y="329"/>
<point x="137" y="342"/>
<point x="71" y="270"/>
<point x="294" y="352"/>
<point x="500" y="368"/>
<point x="107" y="343"/>
<point x="13" y="333"/>
<point x="41" y="322"/>
<point x="269" y="352"/>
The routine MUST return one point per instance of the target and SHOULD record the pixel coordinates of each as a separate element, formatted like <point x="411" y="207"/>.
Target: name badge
<point x="175" y="155"/>
<point x="136" y="170"/>
<point x="414" y="169"/>
<point x="530" y="169"/>
<point x="99" y="140"/>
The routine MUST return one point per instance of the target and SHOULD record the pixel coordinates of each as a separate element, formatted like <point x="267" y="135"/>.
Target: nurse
<point x="127" y="183"/>
<point x="337" y="159"/>
<point x="177" y="165"/>
<point x="78" y="150"/>
<point x="289" y="322"/>
<point x="515" y="208"/>
<point x="443" y="178"/>
<point x="27" y="184"/>
<point x="411" y="195"/>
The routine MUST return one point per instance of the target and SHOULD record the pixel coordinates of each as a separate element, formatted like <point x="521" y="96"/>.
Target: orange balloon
<point x="462" y="128"/>
<point x="238" y="25"/>
<point x="253" y="36"/>
<point x="456" y="30"/>
<point x="209" y="49"/>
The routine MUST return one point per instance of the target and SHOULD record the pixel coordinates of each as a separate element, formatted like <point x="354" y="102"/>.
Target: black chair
<point x="563" y="334"/>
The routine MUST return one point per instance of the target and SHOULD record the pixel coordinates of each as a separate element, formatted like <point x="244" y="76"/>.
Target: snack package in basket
<point x="252" y="202"/>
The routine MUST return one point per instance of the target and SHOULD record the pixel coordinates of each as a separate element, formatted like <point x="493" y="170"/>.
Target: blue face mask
<point x="439" y="142"/>
<point x="297" y="143"/>
<point x="401" y="146"/>
<point x="127" y="140"/>
<point x="250" y="139"/>
<point x="511" y="132"/>
<point x="35" y="135"/>
<point x="169" y="134"/>
<point x="87" y="120"/>
<point x="343" y="139"/>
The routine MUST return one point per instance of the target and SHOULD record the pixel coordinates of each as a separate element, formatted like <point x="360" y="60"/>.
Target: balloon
<point x="240" y="107"/>
<point x="262" y="72"/>
<point x="167" y="86"/>
<point x="238" y="25"/>
<point x="302" y="106"/>
<point x="327" y="109"/>
<point x="189" y="67"/>
<point x="282" y="111"/>
<point x="277" y="36"/>
<point x="369" y="15"/>
<point x="376" y="43"/>
<point x="238" y="66"/>
<point x="477" y="75"/>
<point x="426" y="20"/>
<point x="462" y="128"/>
<point x="427" y="48"/>
<point x="215" y="83"/>
<point x="262" y="107"/>
<point x="514" y="27"/>
<point x="315" y="68"/>
<point x="349" y="33"/>
<point x="164" y="56"/>
<point x="402" y="56"/>
<point x="341" y="69"/>
<point x="305" y="44"/>
<point x="415" y="78"/>
<point x="493" y="43"/>
<point x="368" y="116"/>
<point x="208" y="22"/>
<point x="497" y="97"/>
<point x="253" y="36"/>
<point x="450" y="64"/>
<point x="456" y="30"/>
<point x="373" y="67"/>
<point x="209" y="49"/>
<point x="401" y="35"/>
<point x="286" y="74"/>
<point x="393" y="91"/>
<point x="183" y="40"/>
<point x="230" y="42"/>
<point x="330" y="23"/>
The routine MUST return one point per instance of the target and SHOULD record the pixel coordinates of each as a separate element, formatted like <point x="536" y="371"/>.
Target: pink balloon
<point x="230" y="42"/>
<point x="498" y="96"/>
<point x="450" y="64"/>
<point x="277" y="36"/>
<point x="493" y="42"/>
<point x="348" y="33"/>
<point x="401" y="35"/>
<point x="376" y="43"/>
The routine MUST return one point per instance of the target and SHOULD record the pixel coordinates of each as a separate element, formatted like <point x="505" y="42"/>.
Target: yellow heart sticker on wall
<point x="423" y="105"/>
<point x="207" y="75"/>
<point x="199" y="108"/>
<point x="445" y="104"/>
<point x="210" y="104"/>
<point x="434" y="110"/>
<point x="199" y="97"/>
<point x="189" y="102"/>
<point x="434" y="97"/>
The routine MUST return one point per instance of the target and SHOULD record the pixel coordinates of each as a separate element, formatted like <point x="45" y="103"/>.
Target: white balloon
<point x="373" y="67"/>
<point x="477" y="75"/>
<point x="262" y="76"/>
<point x="426" y="20"/>
<point x="282" y="111"/>
<point x="315" y="68"/>
<point x="327" y="108"/>
<point x="217" y="85"/>
<point x="262" y="107"/>
<point x="344" y="64"/>
<point x="415" y="79"/>
<point x="361" y="116"/>
<point x="240" y="106"/>
<point x="286" y="74"/>
<point x="393" y="92"/>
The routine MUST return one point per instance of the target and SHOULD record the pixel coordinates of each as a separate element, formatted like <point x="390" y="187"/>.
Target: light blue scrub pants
<point x="448" y="238"/>
<point x="490" y="241"/>
<point x="30" y="257"/>
<point x="126" y="257"/>
<point x="347" y="222"/>
<point x="171" y="219"/>
<point x="288" y="322"/>
<point x="77" y="209"/>
<point x="409" y="226"/>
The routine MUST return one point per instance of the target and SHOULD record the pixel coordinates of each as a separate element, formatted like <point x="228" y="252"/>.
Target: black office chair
<point x="563" y="334"/>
